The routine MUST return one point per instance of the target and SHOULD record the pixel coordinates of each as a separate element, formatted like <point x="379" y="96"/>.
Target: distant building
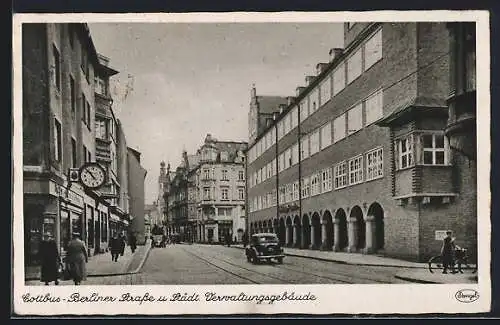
<point x="136" y="177"/>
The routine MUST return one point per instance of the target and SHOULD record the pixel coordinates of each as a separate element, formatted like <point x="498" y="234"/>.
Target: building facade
<point x="136" y="177"/>
<point x="206" y="197"/>
<point x="359" y="160"/>
<point x="65" y="96"/>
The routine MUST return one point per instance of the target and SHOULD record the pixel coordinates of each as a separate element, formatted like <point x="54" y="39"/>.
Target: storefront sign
<point x="61" y="191"/>
<point x="440" y="234"/>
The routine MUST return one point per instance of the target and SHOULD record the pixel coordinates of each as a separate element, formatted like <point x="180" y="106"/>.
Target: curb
<point x="345" y="262"/>
<point x="409" y="279"/>
<point x="107" y="274"/>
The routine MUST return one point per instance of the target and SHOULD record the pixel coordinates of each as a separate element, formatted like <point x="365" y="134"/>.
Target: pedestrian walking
<point x="123" y="243"/>
<point x="132" y="242"/>
<point x="50" y="260"/>
<point x="76" y="259"/>
<point x="447" y="253"/>
<point x="115" y="247"/>
<point x="245" y="239"/>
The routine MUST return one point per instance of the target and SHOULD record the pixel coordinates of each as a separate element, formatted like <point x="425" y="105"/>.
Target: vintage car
<point x="264" y="247"/>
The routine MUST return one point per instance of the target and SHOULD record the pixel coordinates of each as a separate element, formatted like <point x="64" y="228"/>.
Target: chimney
<point x="299" y="89"/>
<point x="290" y="100"/>
<point x="335" y="52"/>
<point x="309" y="79"/>
<point x="320" y="67"/>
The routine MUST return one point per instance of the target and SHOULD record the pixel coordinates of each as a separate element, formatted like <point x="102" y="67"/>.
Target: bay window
<point x="434" y="149"/>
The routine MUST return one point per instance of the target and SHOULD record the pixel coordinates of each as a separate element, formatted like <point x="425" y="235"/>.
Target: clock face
<point x="92" y="175"/>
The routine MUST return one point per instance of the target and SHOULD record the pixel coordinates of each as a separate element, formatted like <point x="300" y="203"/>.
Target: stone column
<point x="295" y="236"/>
<point x="312" y="244"/>
<point x="336" y="235"/>
<point x="303" y="243"/>
<point x="370" y="234"/>
<point x="352" y="229"/>
<point x="287" y="235"/>
<point x="324" y="244"/>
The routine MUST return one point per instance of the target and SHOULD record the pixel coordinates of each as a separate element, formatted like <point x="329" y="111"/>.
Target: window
<point x="314" y="141"/>
<point x="72" y="95"/>
<point x="354" y="66"/>
<point x="470" y="56"/>
<point x="273" y="136"/>
<point x="295" y="117"/>
<point x="269" y="169"/>
<point x="73" y="153"/>
<point x="281" y="163"/>
<point x="374" y="164"/>
<point x="100" y="86"/>
<point x="57" y="140"/>
<point x="339" y="128"/>
<point x="273" y="167"/>
<point x="313" y="100"/>
<point x="270" y="201"/>
<point x="84" y="108"/>
<point x="355" y="119"/>
<point x="206" y="174"/>
<point x="340" y="172"/>
<point x="224" y="175"/>
<point x="339" y="79"/>
<point x="304" y="111"/>
<point x="224" y="156"/>
<point x="274" y="197"/>
<point x="326" y="180"/>
<point x="282" y="194"/>
<point x="306" y="190"/>
<point x="434" y="147"/>
<point x="207" y="193"/>
<point x="57" y="67"/>
<point x="325" y="91"/>
<point x="241" y="175"/>
<point x="224" y="191"/>
<point x="374" y="107"/>
<point x="295" y="154"/>
<point x="241" y="193"/>
<point x="404" y="152"/>
<point x="280" y="129"/>
<point x="288" y="158"/>
<point x="264" y="201"/>
<point x="326" y="135"/>
<point x="84" y="64"/>
<point x="88" y="116"/>
<point x="304" y="148"/>
<point x="295" y="191"/>
<point x="100" y="129"/>
<point x="286" y="124"/>
<point x="373" y="49"/>
<point x="315" y="179"/>
<point x="356" y="170"/>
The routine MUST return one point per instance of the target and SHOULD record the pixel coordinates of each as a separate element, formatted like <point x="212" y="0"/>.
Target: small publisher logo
<point x="467" y="295"/>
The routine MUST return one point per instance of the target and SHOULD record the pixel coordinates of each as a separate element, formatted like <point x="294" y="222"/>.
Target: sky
<point x="180" y="81"/>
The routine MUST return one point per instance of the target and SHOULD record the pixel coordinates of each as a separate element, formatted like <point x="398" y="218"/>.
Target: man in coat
<point x="49" y="256"/>
<point x="77" y="259"/>
<point x="115" y="247"/>
<point x="123" y="243"/>
<point x="447" y="253"/>
<point x="132" y="242"/>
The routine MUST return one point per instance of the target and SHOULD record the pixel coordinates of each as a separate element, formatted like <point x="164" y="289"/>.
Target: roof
<point x="270" y="104"/>
<point x="400" y="113"/>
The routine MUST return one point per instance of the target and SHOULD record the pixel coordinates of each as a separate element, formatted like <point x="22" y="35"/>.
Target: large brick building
<point x="359" y="160"/>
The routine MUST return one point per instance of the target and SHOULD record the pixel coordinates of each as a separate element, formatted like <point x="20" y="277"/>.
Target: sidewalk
<point x="349" y="258"/>
<point x="424" y="276"/>
<point x="102" y="265"/>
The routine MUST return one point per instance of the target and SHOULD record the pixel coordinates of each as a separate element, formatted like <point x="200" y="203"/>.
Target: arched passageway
<point x="376" y="217"/>
<point x="282" y="231"/>
<point x="315" y="231"/>
<point x="359" y="228"/>
<point x="306" y="232"/>
<point x="327" y="231"/>
<point x="297" y="232"/>
<point x="341" y="237"/>
<point x="289" y="231"/>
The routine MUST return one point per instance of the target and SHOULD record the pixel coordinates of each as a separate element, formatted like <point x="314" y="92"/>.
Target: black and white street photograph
<point x="250" y="153"/>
